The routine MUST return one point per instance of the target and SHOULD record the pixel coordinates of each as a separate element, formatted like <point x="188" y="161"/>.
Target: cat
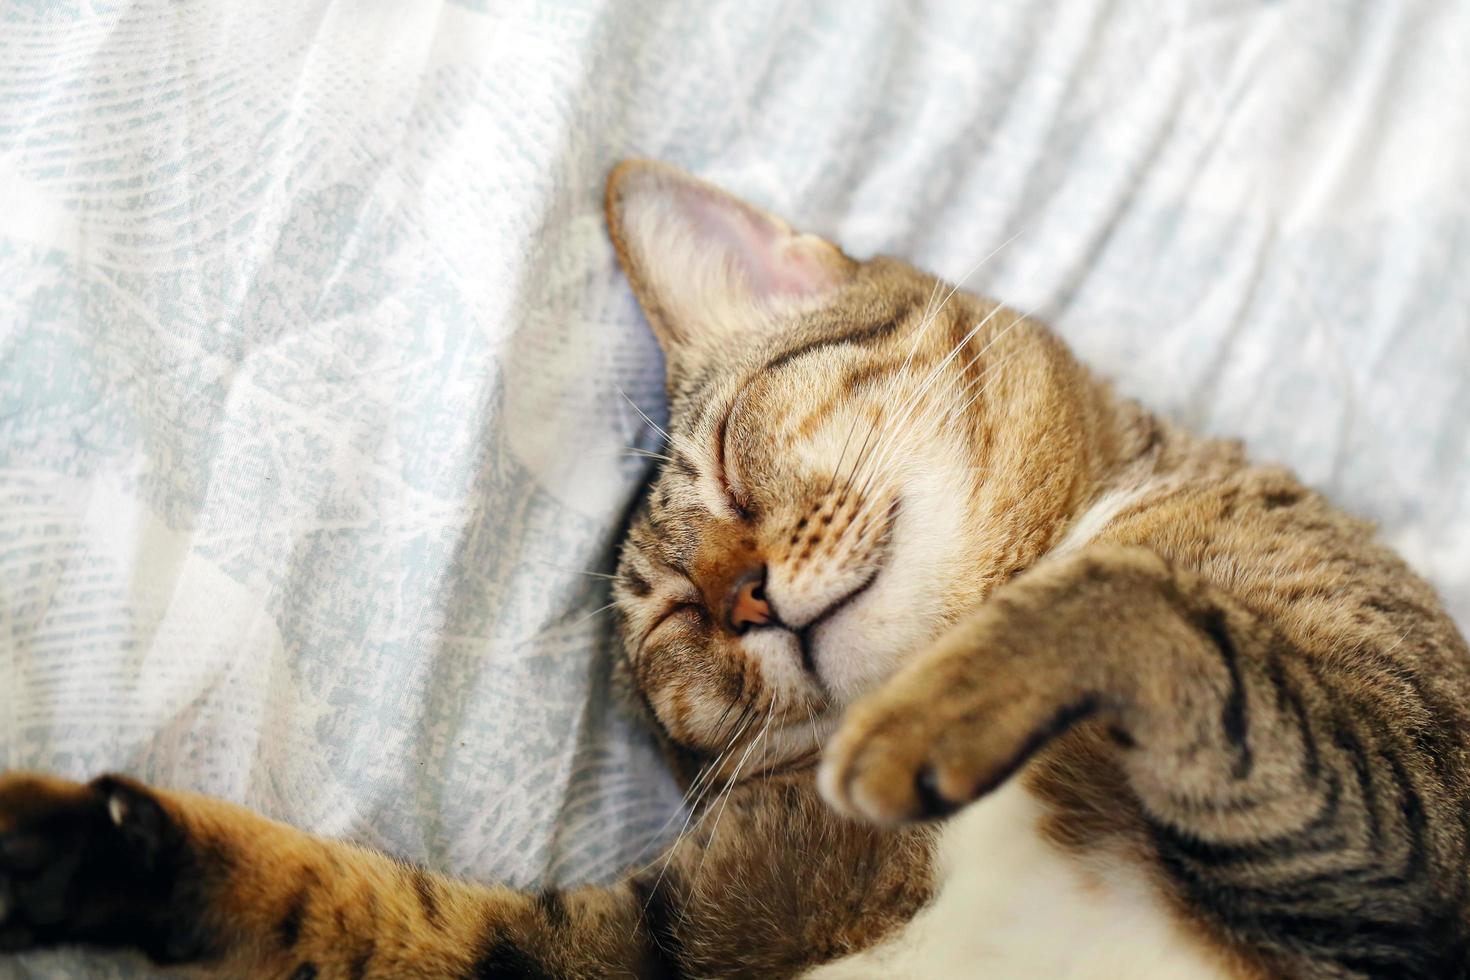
<point x="970" y="667"/>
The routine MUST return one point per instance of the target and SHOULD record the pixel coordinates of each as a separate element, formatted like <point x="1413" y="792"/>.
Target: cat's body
<point x="1009" y="903"/>
<point x="1213" y="728"/>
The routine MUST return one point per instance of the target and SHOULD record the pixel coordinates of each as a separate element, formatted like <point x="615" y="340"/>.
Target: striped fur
<point x="1189" y="680"/>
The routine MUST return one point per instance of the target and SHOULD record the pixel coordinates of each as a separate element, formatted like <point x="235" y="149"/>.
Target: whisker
<point x="725" y="802"/>
<point x="890" y="424"/>
<point x="843" y="455"/>
<point x="673" y="440"/>
<point x="698" y="790"/>
<point x="927" y="319"/>
<point x="580" y="571"/>
<point x="931" y="413"/>
<point x="961" y="410"/>
<point x="563" y="626"/>
<point x="862" y="454"/>
<point x="909" y="406"/>
<point x="933" y="292"/>
<point x="868" y="533"/>
<point x="931" y="416"/>
<point x="954" y="288"/>
<point x="873" y="496"/>
<point x="959" y="283"/>
<point x="644" y="416"/>
<point x="685" y="830"/>
<point x="646" y="454"/>
<point x="892" y="383"/>
<point x="923" y="387"/>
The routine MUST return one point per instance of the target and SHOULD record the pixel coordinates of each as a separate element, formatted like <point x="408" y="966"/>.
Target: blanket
<point x="317" y="374"/>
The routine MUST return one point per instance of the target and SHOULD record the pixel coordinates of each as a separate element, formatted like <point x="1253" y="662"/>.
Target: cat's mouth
<point x="806" y="636"/>
<point x="798" y="743"/>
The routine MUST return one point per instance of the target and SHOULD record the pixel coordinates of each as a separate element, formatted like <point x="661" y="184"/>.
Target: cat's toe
<point x="34" y="824"/>
<point x="888" y="764"/>
<point x="919" y="749"/>
<point x="73" y="856"/>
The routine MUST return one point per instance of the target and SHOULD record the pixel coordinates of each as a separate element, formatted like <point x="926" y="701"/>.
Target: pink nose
<point x="747" y="603"/>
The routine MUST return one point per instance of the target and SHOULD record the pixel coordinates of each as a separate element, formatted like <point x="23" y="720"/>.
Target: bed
<point x="320" y="391"/>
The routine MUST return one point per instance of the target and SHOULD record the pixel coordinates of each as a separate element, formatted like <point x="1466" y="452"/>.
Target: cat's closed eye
<point x="687" y="610"/>
<point x="729" y="483"/>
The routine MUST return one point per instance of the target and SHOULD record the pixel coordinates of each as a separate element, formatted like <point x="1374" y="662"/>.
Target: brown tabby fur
<point x="1228" y="682"/>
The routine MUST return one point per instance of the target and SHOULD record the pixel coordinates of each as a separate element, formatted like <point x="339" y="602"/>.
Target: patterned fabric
<point x="311" y="343"/>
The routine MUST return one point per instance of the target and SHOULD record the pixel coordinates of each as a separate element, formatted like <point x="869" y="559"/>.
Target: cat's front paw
<point x="94" y="863"/>
<point x="915" y="754"/>
<point x="1110" y="632"/>
<point x="972" y="710"/>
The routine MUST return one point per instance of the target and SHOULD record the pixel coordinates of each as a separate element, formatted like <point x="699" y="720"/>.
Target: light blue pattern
<point x="311" y="340"/>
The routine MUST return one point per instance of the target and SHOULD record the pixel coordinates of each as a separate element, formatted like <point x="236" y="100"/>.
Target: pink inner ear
<point x="802" y="268"/>
<point x="776" y="263"/>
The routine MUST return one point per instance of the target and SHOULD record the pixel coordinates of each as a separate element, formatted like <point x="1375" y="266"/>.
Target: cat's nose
<point x="747" y="604"/>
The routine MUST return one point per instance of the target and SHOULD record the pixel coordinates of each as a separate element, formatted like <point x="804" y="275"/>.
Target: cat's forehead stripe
<point x="864" y="335"/>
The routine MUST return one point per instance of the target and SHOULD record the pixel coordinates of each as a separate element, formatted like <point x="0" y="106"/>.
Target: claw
<point x="933" y="804"/>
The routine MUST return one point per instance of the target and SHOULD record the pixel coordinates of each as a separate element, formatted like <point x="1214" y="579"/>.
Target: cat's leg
<point x="1310" y="805"/>
<point x="192" y="880"/>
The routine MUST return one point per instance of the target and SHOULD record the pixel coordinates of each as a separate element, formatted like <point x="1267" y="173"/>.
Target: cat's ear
<point x="708" y="268"/>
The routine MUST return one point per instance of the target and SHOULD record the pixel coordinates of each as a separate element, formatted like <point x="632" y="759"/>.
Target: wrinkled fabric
<point x="313" y="351"/>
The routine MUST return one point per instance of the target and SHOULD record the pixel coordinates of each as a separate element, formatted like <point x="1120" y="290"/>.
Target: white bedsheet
<point x="311" y="340"/>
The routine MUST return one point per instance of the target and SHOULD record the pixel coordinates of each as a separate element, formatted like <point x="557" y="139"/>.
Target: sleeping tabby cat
<point x="907" y="560"/>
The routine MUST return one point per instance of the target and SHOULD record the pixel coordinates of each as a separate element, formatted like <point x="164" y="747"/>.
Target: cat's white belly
<point x="1010" y="904"/>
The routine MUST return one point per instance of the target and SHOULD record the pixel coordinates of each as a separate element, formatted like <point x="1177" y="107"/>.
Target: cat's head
<point x="857" y="455"/>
